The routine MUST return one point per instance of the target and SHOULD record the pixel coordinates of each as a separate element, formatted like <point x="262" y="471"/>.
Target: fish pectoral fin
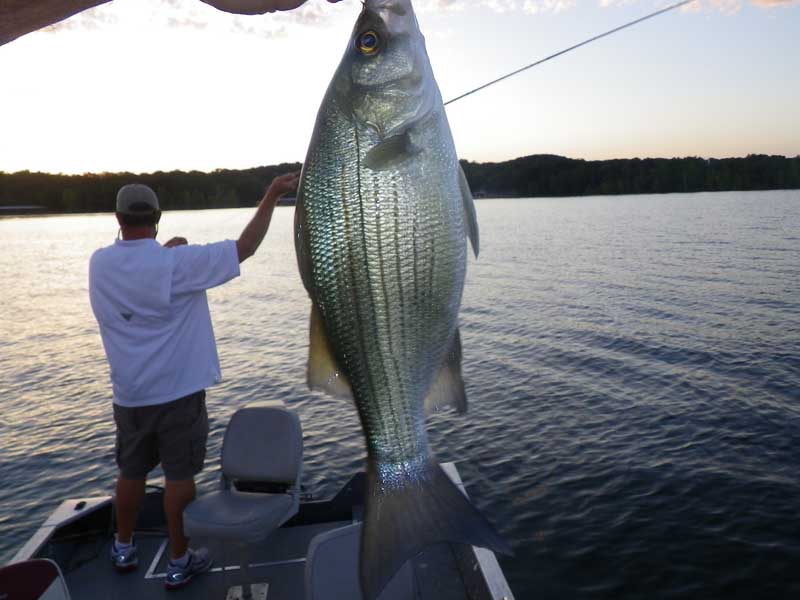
<point x="470" y="218"/>
<point x="447" y="388"/>
<point x="390" y="152"/>
<point x="323" y="373"/>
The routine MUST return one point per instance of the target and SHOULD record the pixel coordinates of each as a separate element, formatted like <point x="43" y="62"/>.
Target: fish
<point x="382" y="219"/>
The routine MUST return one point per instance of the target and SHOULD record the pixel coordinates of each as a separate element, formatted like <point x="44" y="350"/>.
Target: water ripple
<point x="632" y="366"/>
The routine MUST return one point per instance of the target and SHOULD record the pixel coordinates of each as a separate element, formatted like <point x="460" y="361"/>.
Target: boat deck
<point x="279" y="562"/>
<point x="79" y="533"/>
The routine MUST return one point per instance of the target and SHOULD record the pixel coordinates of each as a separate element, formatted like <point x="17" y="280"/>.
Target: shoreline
<point x="12" y="212"/>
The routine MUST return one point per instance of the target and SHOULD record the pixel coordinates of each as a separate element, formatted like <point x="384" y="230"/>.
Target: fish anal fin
<point x="470" y="217"/>
<point x="390" y="152"/>
<point x="402" y="520"/>
<point x="323" y="373"/>
<point x="447" y="388"/>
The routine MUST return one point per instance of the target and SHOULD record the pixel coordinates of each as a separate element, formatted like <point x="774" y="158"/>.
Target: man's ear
<point x="119" y="219"/>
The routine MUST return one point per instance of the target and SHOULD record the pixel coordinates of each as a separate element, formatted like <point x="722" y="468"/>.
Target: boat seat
<point x="332" y="569"/>
<point x="35" y="579"/>
<point x="262" y="450"/>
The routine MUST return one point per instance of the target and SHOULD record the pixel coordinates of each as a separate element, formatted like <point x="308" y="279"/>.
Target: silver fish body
<point x="382" y="220"/>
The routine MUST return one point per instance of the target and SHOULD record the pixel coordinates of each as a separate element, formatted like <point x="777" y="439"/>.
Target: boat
<point x="311" y="555"/>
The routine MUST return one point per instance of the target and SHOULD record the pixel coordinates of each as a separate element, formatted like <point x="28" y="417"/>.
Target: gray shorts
<point x="173" y="434"/>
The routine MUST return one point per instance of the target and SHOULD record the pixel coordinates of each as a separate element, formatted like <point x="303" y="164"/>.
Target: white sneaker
<point x="125" y="560"/>
<point x="177" y="576"/>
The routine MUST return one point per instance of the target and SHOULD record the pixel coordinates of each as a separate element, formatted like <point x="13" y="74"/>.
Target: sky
<point x="148" y="85"/>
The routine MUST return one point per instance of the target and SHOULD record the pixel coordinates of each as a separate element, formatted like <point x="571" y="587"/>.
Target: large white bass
<point x="381" y="226"/>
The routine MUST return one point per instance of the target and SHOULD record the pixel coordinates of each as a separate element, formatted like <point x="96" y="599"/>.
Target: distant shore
<point x="541" y="175"/>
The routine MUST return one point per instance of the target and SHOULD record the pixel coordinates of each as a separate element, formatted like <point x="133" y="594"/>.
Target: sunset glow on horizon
<point x="147" y="85"/>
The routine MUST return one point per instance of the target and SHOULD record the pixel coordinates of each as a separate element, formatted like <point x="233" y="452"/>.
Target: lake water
<point x="632" y="363"/>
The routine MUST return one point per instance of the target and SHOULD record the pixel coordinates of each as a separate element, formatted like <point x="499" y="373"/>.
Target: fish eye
<point x="368" y="42"/>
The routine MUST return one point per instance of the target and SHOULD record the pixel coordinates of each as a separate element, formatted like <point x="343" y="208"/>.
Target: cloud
<point x="194" y="14"/>
<point x="726" y="7"/>
<point x="534" y="7"/>
<point x="501" y="6"/>
<point x="186" y="22"/>
<point x="774" y="3"/>
<point x="91" y="19"/>
<point x="498" y="6"/>
<point x="309" y="14"/>
<point x="433" y="6"/>
<point x="242" y="26"/>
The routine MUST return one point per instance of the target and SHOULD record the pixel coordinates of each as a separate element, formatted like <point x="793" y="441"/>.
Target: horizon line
<point x="544" y="154"/>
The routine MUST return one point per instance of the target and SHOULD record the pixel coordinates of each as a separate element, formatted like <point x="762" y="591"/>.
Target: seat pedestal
<point x="258" y="591"/>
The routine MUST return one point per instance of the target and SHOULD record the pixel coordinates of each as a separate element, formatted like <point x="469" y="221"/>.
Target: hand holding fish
<point x="281" y="185"/>
<point x="18" y="17"/>
<point x="256" y="7"/>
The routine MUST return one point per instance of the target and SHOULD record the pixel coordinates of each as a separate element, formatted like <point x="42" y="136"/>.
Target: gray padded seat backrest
<point x="263" y="442"/>
<point x="332" y="569"/>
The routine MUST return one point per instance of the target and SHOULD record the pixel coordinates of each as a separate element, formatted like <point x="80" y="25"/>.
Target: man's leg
<point x="129" y="501"/>
<point x="177" y="495"/>
<point x="183" y="431"/>
<point x="136" y="455"/>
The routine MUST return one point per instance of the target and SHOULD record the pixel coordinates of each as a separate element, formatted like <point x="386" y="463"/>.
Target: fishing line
<point x="571" y="48"/>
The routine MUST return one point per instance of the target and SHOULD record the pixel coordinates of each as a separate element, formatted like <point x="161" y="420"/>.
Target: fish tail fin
<point x="400" y="521"/>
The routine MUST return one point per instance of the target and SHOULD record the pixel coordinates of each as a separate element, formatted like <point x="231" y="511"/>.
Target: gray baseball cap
<point x="136" y="199"/>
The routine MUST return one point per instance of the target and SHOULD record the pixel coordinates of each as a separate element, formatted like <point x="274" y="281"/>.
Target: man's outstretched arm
<point x="256" y="229"/>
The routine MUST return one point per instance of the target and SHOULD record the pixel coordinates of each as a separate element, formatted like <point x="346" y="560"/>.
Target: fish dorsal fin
<point x="448" y="386"/>
<point x="470" y="217"/>
<point x="323" y="373"/>
<point x="390" y="152"/>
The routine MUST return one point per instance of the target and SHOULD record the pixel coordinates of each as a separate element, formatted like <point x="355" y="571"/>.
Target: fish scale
<point x="363" y="289"/>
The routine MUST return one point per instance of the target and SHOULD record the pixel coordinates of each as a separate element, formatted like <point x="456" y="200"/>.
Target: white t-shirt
<point x="150" y="303"/>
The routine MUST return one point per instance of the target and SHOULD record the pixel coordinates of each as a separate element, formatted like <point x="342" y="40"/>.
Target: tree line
<point x="549" y="175"/>
<point x="538" y="175"/>
<point x="177" y="190"/>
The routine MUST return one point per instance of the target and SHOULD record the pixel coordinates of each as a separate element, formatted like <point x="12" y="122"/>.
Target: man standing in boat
<point x="151" y="307"/>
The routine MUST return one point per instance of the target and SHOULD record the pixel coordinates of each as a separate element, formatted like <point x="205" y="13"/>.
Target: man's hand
<point x="282" y="184"/>
<point x="176" y="241"/>
<point x="255" y="7"/>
